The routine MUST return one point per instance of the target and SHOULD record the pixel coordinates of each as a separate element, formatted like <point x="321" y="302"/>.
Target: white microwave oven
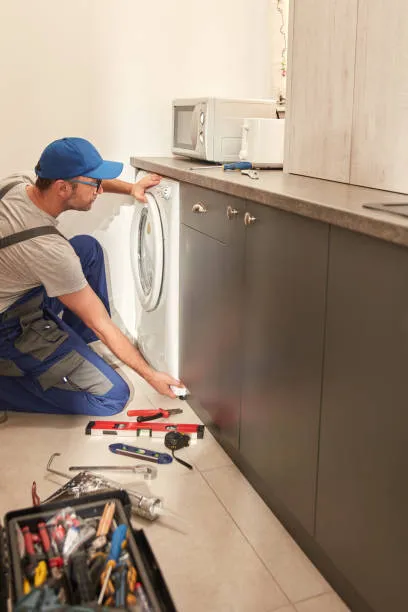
<point x="211" y="128"/>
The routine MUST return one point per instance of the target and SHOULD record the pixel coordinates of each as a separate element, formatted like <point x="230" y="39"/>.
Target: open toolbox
<point x="135" y="581"/>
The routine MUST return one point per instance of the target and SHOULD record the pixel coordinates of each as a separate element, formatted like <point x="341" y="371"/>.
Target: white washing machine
<point x="154" y="245"/>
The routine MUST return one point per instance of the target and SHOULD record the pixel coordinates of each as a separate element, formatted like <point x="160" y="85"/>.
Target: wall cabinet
<point x="380" y="124"/>
<point x="347" y="92"/>
<point x="252" y="317"/>
<point x="362" y="502"/>
<point x="320" y="88"/>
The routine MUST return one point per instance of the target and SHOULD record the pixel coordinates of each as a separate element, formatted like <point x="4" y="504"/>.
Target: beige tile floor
<point x="222" y="549"/>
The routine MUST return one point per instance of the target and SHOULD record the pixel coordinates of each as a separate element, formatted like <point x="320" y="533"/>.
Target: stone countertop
<point x="335" y="203"/>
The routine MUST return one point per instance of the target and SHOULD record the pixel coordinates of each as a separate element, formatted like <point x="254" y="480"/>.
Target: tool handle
<point x="106" y="519"/>
<point x="143" y="419"/>
<point x="40" y="574"/>
<point x="119" y="535"/>
<point x="143" y="412"/>
<point x="244" y="165"/>
<point x="45" y="538"/>
<point x="28" y="541"/>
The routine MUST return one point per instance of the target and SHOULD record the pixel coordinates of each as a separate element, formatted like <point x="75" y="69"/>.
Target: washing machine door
<point x="148" y="253"/>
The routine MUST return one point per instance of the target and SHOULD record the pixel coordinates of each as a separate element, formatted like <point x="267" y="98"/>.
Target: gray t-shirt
<point x="47" y="260"/>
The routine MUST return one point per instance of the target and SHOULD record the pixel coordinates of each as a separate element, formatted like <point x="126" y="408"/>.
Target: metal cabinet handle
<point x="249" y="219"/>
<point x="231" y="212"/>
<point x="199" y="208"/>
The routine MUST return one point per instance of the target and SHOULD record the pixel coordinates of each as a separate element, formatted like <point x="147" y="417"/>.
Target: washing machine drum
<point x="148" y="253"/>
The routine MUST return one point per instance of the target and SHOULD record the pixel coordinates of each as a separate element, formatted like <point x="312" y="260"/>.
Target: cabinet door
<point x="285" y="284"/>
<point x="320" y="88"/>
<point x="379" y="151"/>
<point x="210" y="311"/>
<point x="362" y="502"/>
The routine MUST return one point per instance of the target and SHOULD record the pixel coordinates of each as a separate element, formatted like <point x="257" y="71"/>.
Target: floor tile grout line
<point x="250" y="543"/>
<point x="331" y="592"/>
<point x="215" y="467"/>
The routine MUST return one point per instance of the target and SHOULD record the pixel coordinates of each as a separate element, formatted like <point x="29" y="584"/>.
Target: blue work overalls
<point x="46" y="364"/>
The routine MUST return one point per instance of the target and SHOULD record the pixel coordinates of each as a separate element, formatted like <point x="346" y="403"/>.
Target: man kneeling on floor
<point x="46" y="363"/>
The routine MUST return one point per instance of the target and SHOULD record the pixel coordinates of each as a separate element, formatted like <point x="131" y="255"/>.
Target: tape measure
<point x="175" y="441"/>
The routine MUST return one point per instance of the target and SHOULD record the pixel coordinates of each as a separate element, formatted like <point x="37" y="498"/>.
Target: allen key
<point x="148" y="470"/>
<point x="51" y="459"/>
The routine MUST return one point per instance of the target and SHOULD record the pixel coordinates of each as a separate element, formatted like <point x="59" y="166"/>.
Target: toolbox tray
<point x="86" y="506"/>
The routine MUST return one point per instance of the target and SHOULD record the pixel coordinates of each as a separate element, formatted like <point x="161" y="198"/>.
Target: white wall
<point x="107" y="70"/>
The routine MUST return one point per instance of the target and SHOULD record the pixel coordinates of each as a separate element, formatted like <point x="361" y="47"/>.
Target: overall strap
<point x="25" y="234"/>
<point x="7" y="188"/>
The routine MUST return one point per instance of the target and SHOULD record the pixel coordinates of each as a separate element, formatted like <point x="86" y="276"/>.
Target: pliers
<point x="151" y="415"/>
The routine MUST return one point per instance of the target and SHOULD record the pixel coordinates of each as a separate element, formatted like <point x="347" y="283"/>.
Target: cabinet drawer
<point x="210" y="212"/>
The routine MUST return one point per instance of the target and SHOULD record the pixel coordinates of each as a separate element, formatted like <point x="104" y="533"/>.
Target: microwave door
<point x="183" y="121"/>
<point x="194" y="127"/>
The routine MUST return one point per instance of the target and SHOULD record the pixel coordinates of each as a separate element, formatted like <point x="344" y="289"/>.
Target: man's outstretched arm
<point x="89" y="308"/>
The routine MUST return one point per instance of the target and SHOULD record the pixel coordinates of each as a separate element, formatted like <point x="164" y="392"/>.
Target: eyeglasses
<point x="97" y="183"/>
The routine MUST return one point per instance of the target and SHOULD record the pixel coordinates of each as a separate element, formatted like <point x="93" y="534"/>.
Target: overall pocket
<point x="74" y="373"/>
<point x="39" y="337"/>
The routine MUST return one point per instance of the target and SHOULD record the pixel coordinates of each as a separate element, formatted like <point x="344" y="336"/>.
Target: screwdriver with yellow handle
<point x="40" y="576"/>
<point x="243" y="165"/>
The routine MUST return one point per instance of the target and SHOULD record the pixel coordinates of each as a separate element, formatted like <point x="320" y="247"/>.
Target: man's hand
<point x="139" y="188"/>
<point x="161" y="382"/>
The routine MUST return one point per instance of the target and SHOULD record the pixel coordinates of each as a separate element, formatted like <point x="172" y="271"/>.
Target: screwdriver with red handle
<point x="151" y="415"/>
<point x="30" y="554"/>
<point x="54" y="562"/>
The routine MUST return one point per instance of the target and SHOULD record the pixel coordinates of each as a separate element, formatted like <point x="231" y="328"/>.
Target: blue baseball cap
<point x="69" y="157"/>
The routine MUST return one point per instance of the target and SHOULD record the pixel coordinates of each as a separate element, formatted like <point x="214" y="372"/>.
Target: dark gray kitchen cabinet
<point x="362" y="501"/>
<point x="211" y="270"/>
<point x="284" y="309"/>
<point x="252" y="323"/>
